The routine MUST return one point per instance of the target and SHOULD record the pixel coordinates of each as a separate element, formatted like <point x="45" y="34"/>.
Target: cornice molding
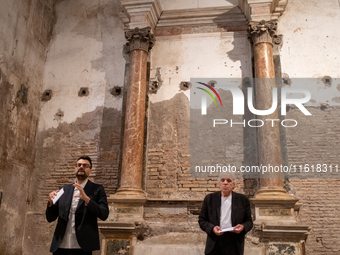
<point x="148" y="13"/>
<point x="257" y="10"/>
<point x="139" y="13"/>
<point x="217" y="16"/>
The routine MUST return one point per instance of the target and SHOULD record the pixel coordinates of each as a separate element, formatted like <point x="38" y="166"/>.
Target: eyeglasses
<point x="84" y="165"/>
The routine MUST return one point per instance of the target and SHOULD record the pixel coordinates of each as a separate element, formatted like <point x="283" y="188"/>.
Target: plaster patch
<point x="336" y="99"/>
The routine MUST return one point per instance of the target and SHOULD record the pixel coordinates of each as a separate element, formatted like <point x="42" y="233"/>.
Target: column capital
<point x="262" y="31"/>
<point x="277" y="44"/>
<point x="139" y="38"/>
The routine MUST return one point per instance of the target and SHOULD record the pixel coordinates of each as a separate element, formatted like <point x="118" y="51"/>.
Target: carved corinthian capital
<point x="277" y="44"/>
<point x="262" y="31"/>
<point x="139" y="39"/>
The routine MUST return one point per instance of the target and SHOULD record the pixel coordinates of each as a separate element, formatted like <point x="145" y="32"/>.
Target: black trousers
<point x="71" y="252"/>
<point x="226" y="244"/>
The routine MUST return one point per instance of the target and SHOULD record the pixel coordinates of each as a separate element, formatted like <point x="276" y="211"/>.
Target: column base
<point x="129" y="194"/>
<point x="286" y="239"/>
<point x="287" y="233"/>
<point x="273" y="193"/>
<point x="276" y="223"/>
<point x="127" y="206"/>
<point x="124" y="222"/>
<point x="118" y="237"/>
<point x="274" y="206"/>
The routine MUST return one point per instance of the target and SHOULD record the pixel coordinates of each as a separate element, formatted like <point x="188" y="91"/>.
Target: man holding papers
<point x="226" y="218"/>
<point x="77" y="207"/>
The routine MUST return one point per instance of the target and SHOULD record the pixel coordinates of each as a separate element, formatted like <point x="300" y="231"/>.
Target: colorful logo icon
<point x="204" y="99"/>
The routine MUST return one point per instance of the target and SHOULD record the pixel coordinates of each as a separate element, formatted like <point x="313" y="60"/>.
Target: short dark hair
<point x="86" y="158"/>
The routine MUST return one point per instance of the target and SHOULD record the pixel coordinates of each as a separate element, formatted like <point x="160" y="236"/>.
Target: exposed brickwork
<point x="94" y="134"/>
<point x="316" y="141"/>
<point x="168" y="154"/>
<point x="108" y="154"/>
<point x="24" y="39"/>
<point x="60" y="148"/>
<point x="313" y="141"/>
<point x="162" y="179"/>
<point x="62" y="171"/>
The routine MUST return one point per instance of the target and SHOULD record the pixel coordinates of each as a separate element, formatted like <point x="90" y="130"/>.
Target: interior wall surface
<point x="176" y="59"/>
<point x="25" y="32"/>
<point x="310" y="50"/>
<point x="172" y="215"/>
<point x="80" y="110"/>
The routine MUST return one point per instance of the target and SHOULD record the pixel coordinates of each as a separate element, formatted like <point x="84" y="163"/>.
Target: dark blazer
<point x="210" y="217"/>
<point x="86" y="226"/>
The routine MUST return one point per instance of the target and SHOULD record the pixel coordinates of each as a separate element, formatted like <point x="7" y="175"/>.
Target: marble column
<point x="261" y="34"/>
<point x="276" y="222"/>
<point x="127" y="203"/>
<point x="140" y="41"/>
<point x="126" y="206"/>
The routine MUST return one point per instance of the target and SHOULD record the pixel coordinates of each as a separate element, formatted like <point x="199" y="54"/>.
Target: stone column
<point x="275" y="222"/>
<point x="261" y="34"/>
<point x="127" y="202"/>
<point x="140" y="41"/>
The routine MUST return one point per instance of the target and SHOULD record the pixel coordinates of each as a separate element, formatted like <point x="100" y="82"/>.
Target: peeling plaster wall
<point x="310" y="45"/>
<point x="311" y="50"/>
<point x="85" y="54"/>
<point x="176" y="59"/>
<point x="206" y="55"/>
<point x="25" y="31"/>
<point x="311" y="32"/>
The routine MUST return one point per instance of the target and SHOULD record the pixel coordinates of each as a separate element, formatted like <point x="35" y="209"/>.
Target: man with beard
<point x="226" y="218"/>
<point x="77" y="210"/>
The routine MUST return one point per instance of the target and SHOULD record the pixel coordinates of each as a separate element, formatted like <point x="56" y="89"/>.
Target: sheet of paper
<point x="226" y="229"/>
<point x="59" y="194"/>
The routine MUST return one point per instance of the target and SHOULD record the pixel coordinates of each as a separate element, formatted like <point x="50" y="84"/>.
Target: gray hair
<point x="225" y="175"/>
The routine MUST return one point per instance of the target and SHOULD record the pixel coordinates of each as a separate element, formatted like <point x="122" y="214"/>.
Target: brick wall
<point x="24" y="38"/>
<point x="316" y="141"/>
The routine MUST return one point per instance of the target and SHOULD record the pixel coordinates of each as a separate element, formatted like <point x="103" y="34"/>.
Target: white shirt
<point x="225" y="219"/>
<point x="70" y="239"/>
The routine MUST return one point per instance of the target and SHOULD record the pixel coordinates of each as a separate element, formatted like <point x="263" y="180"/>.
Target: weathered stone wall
<point x="81" y="112"/>
<point x="316" y="141"/>
<point x="175" y="197"/>
<point x="25" y="31"/>
<point x="310" y="37"/>
<point x="310" y="50"/>
<point x="168" y="142"/>
<point x="82" y="108"/>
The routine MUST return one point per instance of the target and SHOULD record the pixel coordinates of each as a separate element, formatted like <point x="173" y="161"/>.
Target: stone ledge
<point x="295" y="233"/>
